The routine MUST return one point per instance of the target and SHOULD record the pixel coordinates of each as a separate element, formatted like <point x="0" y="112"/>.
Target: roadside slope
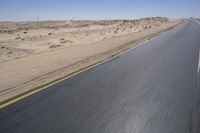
<point x="24" y="74"/>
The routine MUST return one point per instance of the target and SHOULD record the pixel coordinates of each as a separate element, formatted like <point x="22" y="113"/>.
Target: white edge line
<point x="199" y="51"/>
<point x="197" y="22"/>
<point x="198" y="63"/>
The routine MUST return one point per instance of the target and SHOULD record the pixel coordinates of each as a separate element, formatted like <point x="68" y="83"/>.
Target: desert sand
<point x="31" y="50"/>
<point x="27" y="38"/>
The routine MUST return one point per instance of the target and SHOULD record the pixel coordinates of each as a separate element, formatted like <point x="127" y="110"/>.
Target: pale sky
<point x="23" y="10"/>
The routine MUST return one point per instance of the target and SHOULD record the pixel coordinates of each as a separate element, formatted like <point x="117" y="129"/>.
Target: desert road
<point x="154" y="88"/>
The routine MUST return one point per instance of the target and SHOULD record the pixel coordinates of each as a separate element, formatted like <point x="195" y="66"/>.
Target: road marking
<point x="198" y="64"/>
<point x="199" y="51"/>
<point x="197" y="22"/>
<point x="51" y="84"/>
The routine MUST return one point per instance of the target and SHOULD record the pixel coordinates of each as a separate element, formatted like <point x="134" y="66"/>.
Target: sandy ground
<point x="28" y="51"/>
<point x="23" y="39"/>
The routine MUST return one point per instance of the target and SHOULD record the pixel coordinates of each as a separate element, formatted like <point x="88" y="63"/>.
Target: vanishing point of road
<point x="153" y="88"/>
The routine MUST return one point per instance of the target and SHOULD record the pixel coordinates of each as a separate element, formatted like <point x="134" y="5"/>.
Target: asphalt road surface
<point x="151" y="89"/>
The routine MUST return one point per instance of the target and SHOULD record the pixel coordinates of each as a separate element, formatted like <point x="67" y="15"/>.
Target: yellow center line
<point x="65" y="78"/>
<point x="51" y="84"/>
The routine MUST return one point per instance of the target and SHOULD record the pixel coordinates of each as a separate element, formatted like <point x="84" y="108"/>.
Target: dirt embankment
<point x="27" y="38"/>
<point x="36" y="53"/>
